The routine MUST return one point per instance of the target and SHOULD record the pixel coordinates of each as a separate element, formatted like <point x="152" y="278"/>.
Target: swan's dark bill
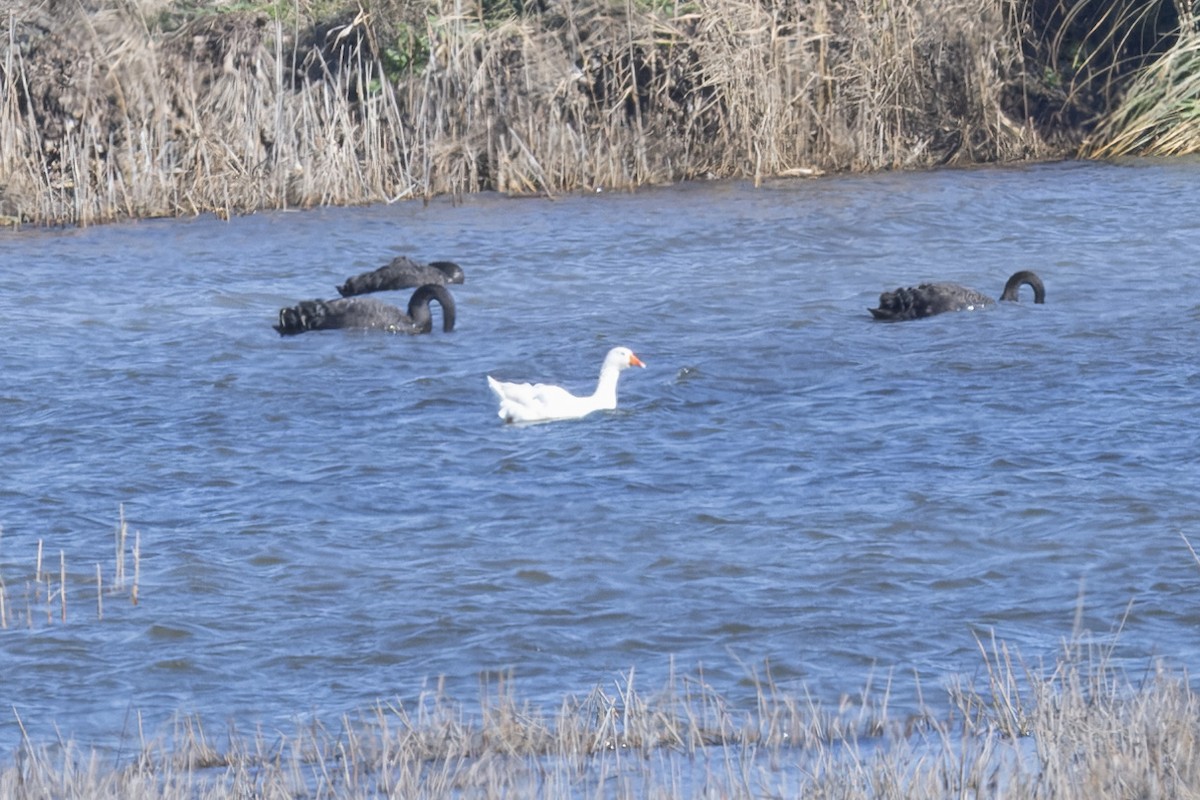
<point x="914" y="302"/>
<point x="402" y="273"/>
<point x="367" y="313"/>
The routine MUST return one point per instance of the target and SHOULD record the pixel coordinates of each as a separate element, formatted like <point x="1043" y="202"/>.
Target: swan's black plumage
<point x="367" y="313"/>
<point x="402" y="273"/>
<point x="914" y="302"/>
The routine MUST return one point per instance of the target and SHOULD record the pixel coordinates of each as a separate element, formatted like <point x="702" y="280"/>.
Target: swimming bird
<point x="934" y="298"/>
<point x="369" y="314"/>
<point x="540" y="402"/>
<point x="402" y="273"/>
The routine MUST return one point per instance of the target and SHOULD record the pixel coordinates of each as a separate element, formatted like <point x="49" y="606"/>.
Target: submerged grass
<point x="41" y="596"/>
<point x="1079" y="728"/>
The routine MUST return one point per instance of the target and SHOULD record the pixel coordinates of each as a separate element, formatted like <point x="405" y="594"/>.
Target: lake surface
<point x="338" y="518"/>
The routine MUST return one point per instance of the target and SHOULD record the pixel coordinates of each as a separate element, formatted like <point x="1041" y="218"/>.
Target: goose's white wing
<point x="537" y="402"/>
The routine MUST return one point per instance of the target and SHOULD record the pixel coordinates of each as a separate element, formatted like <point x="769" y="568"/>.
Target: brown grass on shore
<point x="1160" y="113"/>
<point x="1077" y="729"/>
<point x="104" y="115"/>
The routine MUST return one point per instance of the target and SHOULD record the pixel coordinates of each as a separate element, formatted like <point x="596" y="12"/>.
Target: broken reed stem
<point x="137" y="565"/>
<point x="37" y="574"/>
<point x="62" y="582"/>
<point x="40" y="577"/>
<point x="99" y="593"/>
<point x="3" y="593"/>
<point x="122" y="531"/>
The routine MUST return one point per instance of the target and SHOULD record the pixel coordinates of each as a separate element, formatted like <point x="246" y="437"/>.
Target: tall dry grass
<point x="103" y="114"/>
<point x="1077" y="728"/>
<point x="1160" y="112"/>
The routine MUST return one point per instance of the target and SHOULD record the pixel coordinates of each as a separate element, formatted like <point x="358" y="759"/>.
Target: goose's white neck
<point x="605" y="396"/>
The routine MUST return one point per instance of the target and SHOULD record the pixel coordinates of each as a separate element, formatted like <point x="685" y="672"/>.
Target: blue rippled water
<point x="337" y="518"/>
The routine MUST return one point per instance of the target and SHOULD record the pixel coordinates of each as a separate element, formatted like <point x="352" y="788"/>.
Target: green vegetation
<point x="1160" y="114"/>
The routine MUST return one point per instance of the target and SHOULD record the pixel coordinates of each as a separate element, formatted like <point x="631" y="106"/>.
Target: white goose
<point x="540" y="402"/>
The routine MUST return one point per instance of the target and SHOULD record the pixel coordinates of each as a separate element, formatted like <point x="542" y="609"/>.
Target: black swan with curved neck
<point x="402" y="273"/>
<point x="934" y="298"/>
<point x="367" y="313"/>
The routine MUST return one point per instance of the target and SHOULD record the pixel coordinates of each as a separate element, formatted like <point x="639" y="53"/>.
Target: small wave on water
<point x="337" y="517"/>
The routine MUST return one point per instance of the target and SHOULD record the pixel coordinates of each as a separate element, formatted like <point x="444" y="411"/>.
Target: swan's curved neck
<point x="1024" y="278"/>
<point x="420" y="314"/>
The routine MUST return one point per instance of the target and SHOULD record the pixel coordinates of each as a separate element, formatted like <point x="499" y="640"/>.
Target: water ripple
<point x="329" y="519"/>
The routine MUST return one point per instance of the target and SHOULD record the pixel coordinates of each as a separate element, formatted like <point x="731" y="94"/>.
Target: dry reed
<point x="1160" y="113"/>
<point x="1077" y="729"/>
<point x="235" y="112"/>
<point x="43" y="594"/>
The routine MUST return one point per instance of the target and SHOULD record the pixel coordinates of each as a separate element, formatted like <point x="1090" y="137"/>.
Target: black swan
<point x="934" y="298"/>
<point x="368" y="313"/>
<point x="402" y="273"/>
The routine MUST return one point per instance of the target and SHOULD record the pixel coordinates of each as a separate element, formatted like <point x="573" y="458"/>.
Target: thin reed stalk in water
<point x="3" y="594"/>
<point x="48" y="591"/>
<point x="137" y="565"/>
<point x="122" y="531"/>
<point x="62" y="583"/>
<point x="1191" y="549"/>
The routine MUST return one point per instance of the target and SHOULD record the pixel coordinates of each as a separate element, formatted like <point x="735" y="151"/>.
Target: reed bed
<point x="1078" y="728"/>
<point x="107" y="113"/>
<point x="1160" y="113"/>
<point x="42" y="595"/>
<point x="149" y="109"/>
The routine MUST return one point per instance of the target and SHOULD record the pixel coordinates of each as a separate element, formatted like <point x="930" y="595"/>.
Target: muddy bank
<point x="156" y="110"/>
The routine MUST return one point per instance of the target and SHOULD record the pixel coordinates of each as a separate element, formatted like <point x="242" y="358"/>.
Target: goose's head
<point x="621" y="358"/>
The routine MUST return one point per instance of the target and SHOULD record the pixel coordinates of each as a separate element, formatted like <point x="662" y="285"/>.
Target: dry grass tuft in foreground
<point x="1079" y="729"/>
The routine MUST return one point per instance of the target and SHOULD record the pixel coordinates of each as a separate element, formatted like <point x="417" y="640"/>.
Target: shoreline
<point x="1074" y="728"/>
<point x="151" y="111"/>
